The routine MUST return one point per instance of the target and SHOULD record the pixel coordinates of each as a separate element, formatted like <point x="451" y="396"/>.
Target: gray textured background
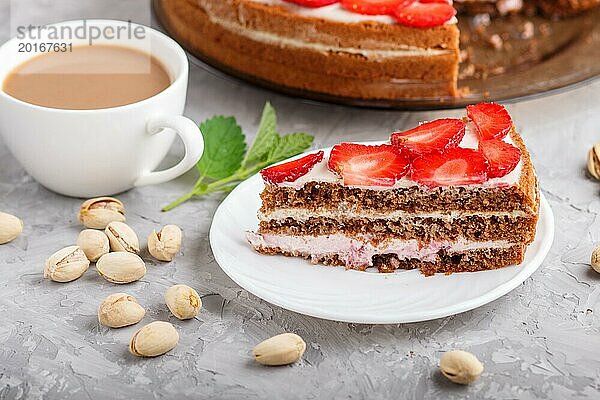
<point x="540" y="341"/>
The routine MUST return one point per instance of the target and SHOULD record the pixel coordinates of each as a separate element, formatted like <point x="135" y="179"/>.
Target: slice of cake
<point x="450" y="195"/>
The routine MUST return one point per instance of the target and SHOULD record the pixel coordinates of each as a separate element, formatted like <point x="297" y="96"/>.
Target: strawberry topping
<point x="454" y="167"/>
<point x="428" y="137"/>
<point x="502" y="157"/>
<point x="418" y="14"/>
<point x="491" y="120"/>
<point x="371" y="7"/>
<point x="291" y="170"/>
<point x="313" y="3"/>
<point x="362" y="165"/>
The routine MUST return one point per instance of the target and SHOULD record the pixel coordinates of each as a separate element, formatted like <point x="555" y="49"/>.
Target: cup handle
<point x="192" y="139"/>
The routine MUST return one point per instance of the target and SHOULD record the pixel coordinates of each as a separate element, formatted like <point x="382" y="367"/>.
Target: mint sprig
<point x="225" y="162"/>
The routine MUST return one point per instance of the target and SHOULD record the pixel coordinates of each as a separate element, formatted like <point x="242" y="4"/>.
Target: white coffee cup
<point x="86" y="153"/>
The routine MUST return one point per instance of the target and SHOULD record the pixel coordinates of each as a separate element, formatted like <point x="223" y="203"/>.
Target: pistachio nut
<point x="593" y="161"/>
<point x="99" y="212"/>
<point x="66" y="265"/>
<point x="122" y="237"/>
<point x="121" y="267"/>
<point x="120" y="309"/>
<point x="93" y="243"/>
<point x="10" y="227"/>
<point x="154" y="339"/>
<point x="183" y="301"/>
<point x="596" y="259"/>
<point x="282" y="349"/>
<point x="460" y="366"/>
<point x="166" y="243"/>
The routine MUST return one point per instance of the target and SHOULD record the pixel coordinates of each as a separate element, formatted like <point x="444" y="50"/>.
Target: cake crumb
<point x="496" y="41"/>
<point x="481" y="20"/>
<point x="505" y="7"/>
<point x="527" y="30"/>
<point x="464" y="55"/>
<point x="467" y="72"/>
<point x="544" y="29"/>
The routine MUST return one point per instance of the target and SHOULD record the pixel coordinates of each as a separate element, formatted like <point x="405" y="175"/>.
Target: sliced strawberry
<point x="362" y="165"/>
<point x="428" y="137"/>
<point x="502" y="157"/>
<point x="491" y="120"/>
<point x="454" y="167"/>
<point x="292" y="170"/>
<point x="424" y="15"/>
<point x="313" y="3"/>
<point x="372" y="7"/>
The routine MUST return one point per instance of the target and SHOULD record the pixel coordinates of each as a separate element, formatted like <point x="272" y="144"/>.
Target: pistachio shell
<point x="93" y="243"/>
<point x="593" y="161"/>
<point x="66" y="265"/>
<point x="282" y="349"/>
<point x="183" y="301"/>
<point x="10" y="227"/>
<point x="460" y="367"/>
<point x="120" y="309"/>
<point x="122" y="237"/>
<point x="121" y="267"/>
<point x="166" y="243"/>
<point x="595" y="261"/>
<point x="99" y="212"/>
<point x="154" y="339"/>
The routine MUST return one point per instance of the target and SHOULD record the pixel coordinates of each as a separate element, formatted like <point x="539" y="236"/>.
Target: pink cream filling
<point x="359" y="253"/>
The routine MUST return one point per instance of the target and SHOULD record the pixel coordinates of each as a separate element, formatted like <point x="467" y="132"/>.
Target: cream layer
<point x="282" y="41"/>
<point x="303" y="214"/>
<point x="359" y="251"/>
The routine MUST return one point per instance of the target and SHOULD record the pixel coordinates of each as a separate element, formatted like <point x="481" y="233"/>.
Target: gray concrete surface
<point x="540" y="341"/>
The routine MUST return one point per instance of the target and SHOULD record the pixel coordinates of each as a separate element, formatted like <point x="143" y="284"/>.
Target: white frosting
<point x="303" y="214"/>
<point x="320" y="173"/>
<point x="359" y="253"/>
<point x="335" y="12"/>
<point x="283" y="41"/>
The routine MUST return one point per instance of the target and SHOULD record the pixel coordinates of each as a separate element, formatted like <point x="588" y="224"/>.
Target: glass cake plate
<point x="502" y="63"/>
<point x="355" y="296"/>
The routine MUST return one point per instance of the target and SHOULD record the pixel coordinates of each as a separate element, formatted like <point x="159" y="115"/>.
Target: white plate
<point x="354" y="296"/>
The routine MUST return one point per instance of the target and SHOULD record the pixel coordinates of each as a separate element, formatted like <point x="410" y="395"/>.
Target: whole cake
<point x="324" y="46"/>
<point x="450" y="195"/>
<point x="360" y="49"/>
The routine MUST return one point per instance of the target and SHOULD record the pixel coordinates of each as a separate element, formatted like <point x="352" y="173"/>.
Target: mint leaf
<point x="266" y="136"/>
<point x="289" y="145"/>
<point x="224" y="147"/>
<point x="223" y="161"/>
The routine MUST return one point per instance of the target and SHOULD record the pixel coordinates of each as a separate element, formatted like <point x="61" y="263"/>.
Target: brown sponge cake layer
<point x="335" y="197"/>
<point x="512" y="229"/>
<point x="219" y="30"/>
<point x="470" y="261"/>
